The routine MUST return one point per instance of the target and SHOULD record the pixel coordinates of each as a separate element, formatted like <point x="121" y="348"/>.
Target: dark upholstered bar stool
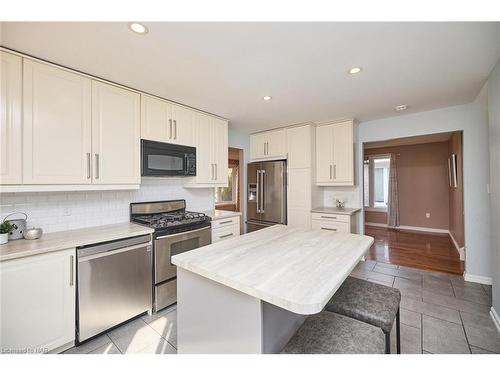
<point x="330" y="333"/>
<point x="371" y="303"/>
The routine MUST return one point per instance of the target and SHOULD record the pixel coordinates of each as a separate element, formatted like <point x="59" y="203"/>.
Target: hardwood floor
<point x="415" y="249"/>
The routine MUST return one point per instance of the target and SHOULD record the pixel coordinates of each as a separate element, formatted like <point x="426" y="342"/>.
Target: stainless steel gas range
<point x="176" y="231"/>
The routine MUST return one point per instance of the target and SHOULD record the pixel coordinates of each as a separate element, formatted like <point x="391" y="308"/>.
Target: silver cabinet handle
<point x="332" y="229"/>
<point x="335" y="171"/>
<point x="97" y="166"/>
<point x="88" y="165"/>
<point x="71" y="270"/>
<point x="170" y="127"/>
<point x="175" y="129"/>
<point x="264" y="148"/>
<point x="226" y="235"/>
<point x="226" y="222"/>
<point x="215" y="172"/>
<point x="329" y="217"/>
<point x="330" y="171"/>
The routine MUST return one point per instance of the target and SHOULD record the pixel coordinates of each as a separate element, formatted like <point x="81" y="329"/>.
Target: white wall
<point x="494" y="124"/>
<point x="239" y="139"/>
<point x="70" y="210"/>
<point x="472" y="120"/>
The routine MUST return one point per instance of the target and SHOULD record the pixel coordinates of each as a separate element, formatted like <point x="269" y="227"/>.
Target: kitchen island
<point x="250" y="294"/>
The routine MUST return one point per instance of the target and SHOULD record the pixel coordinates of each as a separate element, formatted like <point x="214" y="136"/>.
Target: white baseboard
<point x="478" y="279"/>
<point x="495" y="317"/>
<point x="461" y="250"/>
<point x="406" y="227"/>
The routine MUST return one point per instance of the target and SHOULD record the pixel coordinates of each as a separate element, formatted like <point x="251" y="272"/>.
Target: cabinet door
<point x="205" y="170"/>
<point x="343" y="154"/>
<point x="299" y="197"/>
<point x="299" y="147"/>
<point x="183" y="125"/>
<point x="220" y="151"/>
<point x="10" y="120"/>
<point x="257" y="146"/>
<point x="276" y="144"/>
<point x="38" y="301"/>
<point x="155" y="119"/>
<point x="56" y="125"/>
<point x="324" y="154"/>
<point x="116" y="131"/>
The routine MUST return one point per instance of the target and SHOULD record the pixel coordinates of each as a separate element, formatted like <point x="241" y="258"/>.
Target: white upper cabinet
<point x="335" y="154"/>
<point x="299" y="146"/>
<point x="38" y="301"/>
<point x="116" y="127"/>
<point x="10" y="122"/>
<point x="268" y="145"/>
<point x="163" y="121"/>
<point x="211" y="151"/>
<point x="56" y="126"/>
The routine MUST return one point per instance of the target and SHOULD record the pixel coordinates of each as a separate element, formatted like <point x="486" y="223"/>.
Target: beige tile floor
<point x="440" y="313"/>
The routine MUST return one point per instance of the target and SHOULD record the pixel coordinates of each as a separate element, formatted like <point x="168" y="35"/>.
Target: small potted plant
<point x="5" y="228"/>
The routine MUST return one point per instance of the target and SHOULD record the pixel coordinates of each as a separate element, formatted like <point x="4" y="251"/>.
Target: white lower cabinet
<point x="38" y="302"/>
<point x="223" y="229"/>
<point x="339" y="223"/>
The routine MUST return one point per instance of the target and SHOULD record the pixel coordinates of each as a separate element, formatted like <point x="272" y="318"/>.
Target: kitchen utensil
<point x="19" y="225"/>
<point x="33" y="233"/>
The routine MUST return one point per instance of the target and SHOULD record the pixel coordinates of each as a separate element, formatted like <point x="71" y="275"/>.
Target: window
<point x="376" y="181"/>
<point x="228" y="194"/>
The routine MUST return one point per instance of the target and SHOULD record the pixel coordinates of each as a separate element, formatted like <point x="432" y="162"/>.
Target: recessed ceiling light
<point x="355" y="70"/>
<point x="138" y="28"/>
<point x="267" y="97"/>
<point x="400" y="108"/>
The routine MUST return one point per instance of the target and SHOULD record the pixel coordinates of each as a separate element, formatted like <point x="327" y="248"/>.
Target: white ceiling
<point x="226" y="68"/>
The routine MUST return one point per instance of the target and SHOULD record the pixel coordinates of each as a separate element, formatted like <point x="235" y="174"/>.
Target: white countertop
<point x="69" y="239"/>
<point x="221" y="214"/>
<point x="296" y="269"/>
<point x="336" y="210"/>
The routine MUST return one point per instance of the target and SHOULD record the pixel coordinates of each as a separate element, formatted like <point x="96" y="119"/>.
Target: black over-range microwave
<point x="166" y="159"/>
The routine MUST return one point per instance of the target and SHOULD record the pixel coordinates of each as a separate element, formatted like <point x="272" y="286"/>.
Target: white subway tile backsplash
<point x="57" y="211"/>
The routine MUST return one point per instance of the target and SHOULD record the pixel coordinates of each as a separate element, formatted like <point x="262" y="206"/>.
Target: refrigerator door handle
<point x="257" y="197"/>
<point x="262" y="174"/>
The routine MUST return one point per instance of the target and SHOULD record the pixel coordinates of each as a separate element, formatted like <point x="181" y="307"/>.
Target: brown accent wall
<point x="457" y="194"/>
<point x="423" y="185"/>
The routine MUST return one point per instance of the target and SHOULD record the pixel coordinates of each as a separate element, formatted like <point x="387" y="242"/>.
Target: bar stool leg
<point x="388" y="343"/>
<point x="398" y="333"/>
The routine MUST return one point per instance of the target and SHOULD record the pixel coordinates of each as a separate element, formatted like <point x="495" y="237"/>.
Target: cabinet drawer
<point x="224" y="233"/>
<point x="235" y="220"/>
<point x="334" y="226"/>
<point x="330" y="217"/>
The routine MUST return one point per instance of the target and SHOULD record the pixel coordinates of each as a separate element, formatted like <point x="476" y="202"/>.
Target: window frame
<point x="371" y="185"/>
<point x="234" y="188"/>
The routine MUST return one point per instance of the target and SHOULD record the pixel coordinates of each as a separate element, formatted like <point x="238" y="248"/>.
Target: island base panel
<point x="213" y="318"/>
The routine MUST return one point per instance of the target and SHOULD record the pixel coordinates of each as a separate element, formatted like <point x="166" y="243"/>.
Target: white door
<point x="258" y="146"/>
<point x="220" y="151"/>
<point x="276" y="144"/>
<point x="183" y="125"/>
<point x="205" y="170"/>
<point x="56" y="125"/>
<point x="116" y="127"/>
<point x="299" y="146"/>
<point x="38" y="301"/>
<point x="10" y="120"/>
<point x="343" y="153"/>
<point x="155" y="116"/>
<point x="324" y="154"/>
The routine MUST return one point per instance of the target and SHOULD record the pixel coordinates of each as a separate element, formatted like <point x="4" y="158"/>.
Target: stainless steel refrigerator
<point x="266" y="202"/>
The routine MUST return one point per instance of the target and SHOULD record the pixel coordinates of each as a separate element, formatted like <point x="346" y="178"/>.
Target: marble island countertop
<point x="221" y="214"/>
<point x="296" y="269"/>
<point x="336" y="210"/>
<point x="70" y="239"/>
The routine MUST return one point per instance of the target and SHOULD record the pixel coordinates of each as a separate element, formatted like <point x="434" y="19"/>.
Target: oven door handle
<point x="183" y="233"/>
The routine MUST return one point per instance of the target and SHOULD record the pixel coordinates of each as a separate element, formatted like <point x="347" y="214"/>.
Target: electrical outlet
<point x="428" y="215"/>
<point x="67" y="211"/>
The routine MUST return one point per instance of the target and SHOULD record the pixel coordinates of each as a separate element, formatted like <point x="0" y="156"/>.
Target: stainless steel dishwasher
<point x="114" y="284"/>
